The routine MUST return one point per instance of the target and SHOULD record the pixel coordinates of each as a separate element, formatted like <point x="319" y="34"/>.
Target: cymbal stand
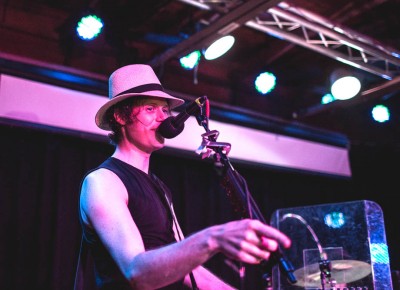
<point x="325" y="267"/>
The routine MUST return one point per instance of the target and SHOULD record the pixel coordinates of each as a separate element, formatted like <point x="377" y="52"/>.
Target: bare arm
<point x="206" y="280"/>
<point x="104" y="207"/>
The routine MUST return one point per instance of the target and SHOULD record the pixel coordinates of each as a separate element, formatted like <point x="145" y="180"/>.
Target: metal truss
<point x="295" y="25"/>
<point x="323" y="36"/>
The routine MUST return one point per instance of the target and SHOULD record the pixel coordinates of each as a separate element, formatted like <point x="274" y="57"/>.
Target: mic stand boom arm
<point x="236" y="188"/>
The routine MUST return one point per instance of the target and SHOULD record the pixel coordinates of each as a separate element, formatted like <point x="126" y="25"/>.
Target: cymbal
<point x="342" y="271"/>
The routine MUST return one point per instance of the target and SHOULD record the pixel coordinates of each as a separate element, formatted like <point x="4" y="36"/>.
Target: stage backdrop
<point x="49" y="105"/>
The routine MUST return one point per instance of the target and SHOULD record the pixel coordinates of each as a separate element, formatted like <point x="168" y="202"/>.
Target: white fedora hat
<point x="129" y="81"/>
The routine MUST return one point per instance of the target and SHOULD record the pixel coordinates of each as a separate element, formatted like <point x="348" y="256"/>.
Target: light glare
<point x="89" y="27"/>
<point x="380" y="113"/>
<point x="265" y="82"/>
<point x="345" y="88"/>
<point x="219" y="47"/>
<point x="191" y="60"/>
<point x="327" y="98"/>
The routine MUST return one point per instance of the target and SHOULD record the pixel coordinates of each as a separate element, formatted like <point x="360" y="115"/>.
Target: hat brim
<point x="101" y="121"/>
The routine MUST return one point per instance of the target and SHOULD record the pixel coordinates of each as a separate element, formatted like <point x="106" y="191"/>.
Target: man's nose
<point x="161" y="115"/>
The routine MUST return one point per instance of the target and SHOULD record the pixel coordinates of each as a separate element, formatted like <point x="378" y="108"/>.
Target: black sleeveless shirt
<point x="152" y="215"/>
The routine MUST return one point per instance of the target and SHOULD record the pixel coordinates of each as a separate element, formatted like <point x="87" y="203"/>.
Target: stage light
<point x="345" y="88"/>
<point x="344" y="85"/>
<point x="89" y="27"/>
<point x="327" y="98"/>
<point x="219" y="47"/>
<point x="265" y="82"/>
<point x="191" y="60"/>
<point x="380" y="113"/>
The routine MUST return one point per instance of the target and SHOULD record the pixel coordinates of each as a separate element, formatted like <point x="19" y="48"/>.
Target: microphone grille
<point x="168" y="130"/>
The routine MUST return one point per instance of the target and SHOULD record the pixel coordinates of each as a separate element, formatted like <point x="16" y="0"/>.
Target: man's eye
<point x="149" y="108"/>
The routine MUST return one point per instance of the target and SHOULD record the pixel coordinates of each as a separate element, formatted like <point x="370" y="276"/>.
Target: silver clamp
<point x="209" y="146"/>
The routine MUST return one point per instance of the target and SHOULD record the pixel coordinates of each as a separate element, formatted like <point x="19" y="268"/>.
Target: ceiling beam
<point x="311" y="31"/>
<point x="294" y="24"/>
<point x="321" y="35"/>
<point x="222" y="26"/>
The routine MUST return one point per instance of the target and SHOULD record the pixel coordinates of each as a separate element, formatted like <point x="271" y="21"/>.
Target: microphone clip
<point x="209" y="146"/>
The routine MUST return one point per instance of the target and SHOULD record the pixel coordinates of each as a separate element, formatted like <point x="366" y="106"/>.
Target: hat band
<point x="142" y="89"/>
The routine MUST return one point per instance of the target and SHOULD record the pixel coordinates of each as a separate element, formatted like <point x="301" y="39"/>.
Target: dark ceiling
<point x="295" y="39"/>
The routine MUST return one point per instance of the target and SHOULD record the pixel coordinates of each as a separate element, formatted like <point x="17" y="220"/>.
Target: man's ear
<point x="118" y="118"/>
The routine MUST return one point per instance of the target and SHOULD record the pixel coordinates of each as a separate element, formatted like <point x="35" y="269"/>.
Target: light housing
<point x="219" y="47"/>
<point x="89" y="27"/>
<point x="380" y="113"/>
<point x="344" y="85"/>
<point x="265" y="82"/>
<point x="327" y="98"/>
<point x="191" y="60"/>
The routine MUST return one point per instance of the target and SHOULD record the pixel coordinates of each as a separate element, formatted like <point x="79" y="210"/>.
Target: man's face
<point x="142" y="131"/>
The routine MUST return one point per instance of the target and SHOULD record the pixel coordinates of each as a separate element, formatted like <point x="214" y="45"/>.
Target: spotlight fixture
<point x="89" y="27"/>
<point x="327" y="98"/>
<point x="191" y="60"/>
<point x="380" y="113"/>
<point x="344" y="86"/>
<point x="265" y="82"/>
<point x="219" y="47"/>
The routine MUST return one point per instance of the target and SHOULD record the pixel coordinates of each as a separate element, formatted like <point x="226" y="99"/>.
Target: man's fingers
<point x="272" y="233"/>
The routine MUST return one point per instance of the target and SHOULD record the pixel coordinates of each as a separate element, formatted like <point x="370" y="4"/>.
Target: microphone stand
<point x="236" y="188"/>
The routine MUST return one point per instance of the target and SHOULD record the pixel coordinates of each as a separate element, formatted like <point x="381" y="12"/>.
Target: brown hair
<point x="124" y="111"/>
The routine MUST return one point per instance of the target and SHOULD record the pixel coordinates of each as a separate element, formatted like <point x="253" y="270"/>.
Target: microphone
<point x="174" y="125"/>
